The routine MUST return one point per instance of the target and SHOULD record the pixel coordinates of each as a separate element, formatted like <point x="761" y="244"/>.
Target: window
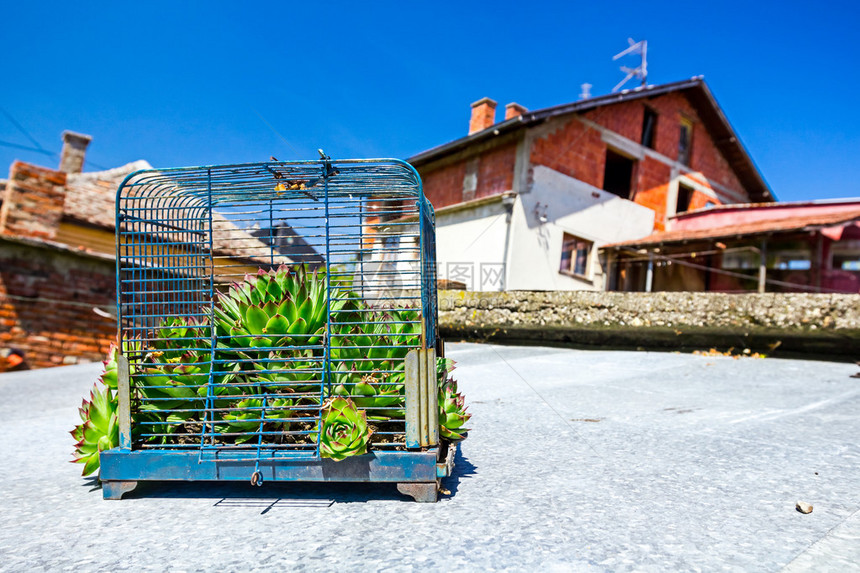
<point x="618" y="174"/>
<point x="649" y="127"/>
<point x="740" y="260"/>
<point x="575" y="255"/>
<point x="792" y="261"/>
<point x="685" y="141"/>
<point x="685" y="195"/>
<point x="846" y="261"/>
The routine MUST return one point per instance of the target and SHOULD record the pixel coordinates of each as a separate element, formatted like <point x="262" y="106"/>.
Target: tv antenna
<point x="641" y="48"/>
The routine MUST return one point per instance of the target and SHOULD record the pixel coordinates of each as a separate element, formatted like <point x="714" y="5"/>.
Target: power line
<point x="24" y="131"/>
<point x="275" y="131"/>
<point x="25" y="148"/>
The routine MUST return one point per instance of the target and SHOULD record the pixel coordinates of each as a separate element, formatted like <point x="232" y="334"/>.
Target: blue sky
<point x="187" y="83"/>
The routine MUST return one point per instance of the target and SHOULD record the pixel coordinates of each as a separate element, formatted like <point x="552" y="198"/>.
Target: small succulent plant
<point x="381" y="399"/>
<point x="277" y="308"/>
<point x="249" y="416"/>
<point x="99" y="429"/>
<point x="452" y="412"/>
<point x="343" y="429"/>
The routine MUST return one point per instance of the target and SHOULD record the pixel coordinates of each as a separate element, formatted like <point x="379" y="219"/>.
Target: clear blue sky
<point x="182" y="83"/>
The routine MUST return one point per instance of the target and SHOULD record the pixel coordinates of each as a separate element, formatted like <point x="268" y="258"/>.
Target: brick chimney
<point x="483" y="115"/>
<point x="514" y="110"/>
<point x="74" y="150"/>
<point x="33" y="205"/>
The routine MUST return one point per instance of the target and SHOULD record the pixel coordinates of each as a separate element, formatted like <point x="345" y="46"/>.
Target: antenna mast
<point x="641" y="48"/>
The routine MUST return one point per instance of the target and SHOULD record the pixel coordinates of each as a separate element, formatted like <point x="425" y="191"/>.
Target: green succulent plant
<point x="343" y="429"/>
<point x="172" y="377"/>
<point x="452" y="412"/>
<point x="278" y="308"/>
<point x="99" y="428"/>
<point x="250" y="415"/>
<point x="380" y="399"/>
<point x="269" y="364"/>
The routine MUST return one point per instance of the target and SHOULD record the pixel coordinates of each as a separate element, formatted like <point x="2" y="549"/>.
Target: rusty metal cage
<point x="249" y="296"/>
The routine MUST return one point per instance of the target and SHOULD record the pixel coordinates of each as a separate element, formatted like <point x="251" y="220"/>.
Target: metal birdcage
<point x="250" y="297"/>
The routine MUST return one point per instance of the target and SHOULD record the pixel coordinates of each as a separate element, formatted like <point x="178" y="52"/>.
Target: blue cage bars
<point x="250" y="294"/>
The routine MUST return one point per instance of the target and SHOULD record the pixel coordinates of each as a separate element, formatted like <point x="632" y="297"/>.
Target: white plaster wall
<point x="574" y="207"/>
<point x="472" y="239"/>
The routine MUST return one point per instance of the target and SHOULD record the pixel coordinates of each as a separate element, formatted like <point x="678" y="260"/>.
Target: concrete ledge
<point x="771" y="323"/>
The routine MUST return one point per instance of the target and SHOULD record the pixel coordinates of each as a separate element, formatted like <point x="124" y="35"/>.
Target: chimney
<point x="514" y="110"/>
<point x="74" y="150"/>
<point x="483" y="115"/>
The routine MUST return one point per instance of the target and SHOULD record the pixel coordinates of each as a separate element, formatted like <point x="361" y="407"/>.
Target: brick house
<point x="525" y="203"/>
<point x="58" y="258"/>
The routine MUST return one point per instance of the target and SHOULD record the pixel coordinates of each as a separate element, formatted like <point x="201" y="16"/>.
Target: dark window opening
<point x="618" y="174"/>
<point x="575" y="255"/>
<point x="649" y="127"/>
<point x="685" y="142"/>
<point x="685" y="195"/>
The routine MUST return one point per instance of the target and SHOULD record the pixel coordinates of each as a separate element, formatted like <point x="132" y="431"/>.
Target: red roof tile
<point x="784" y="225"/>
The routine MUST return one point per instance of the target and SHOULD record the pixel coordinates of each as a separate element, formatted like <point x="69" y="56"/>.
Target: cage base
<point x="114" y="489"/>
<point x="420" y="492"/>
<point x="122" y="469"/>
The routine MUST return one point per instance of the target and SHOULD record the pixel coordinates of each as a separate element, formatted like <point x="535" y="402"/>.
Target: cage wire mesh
<point x="249" y="294"/>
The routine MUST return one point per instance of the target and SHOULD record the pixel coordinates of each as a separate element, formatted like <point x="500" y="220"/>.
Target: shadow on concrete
<point x="463" y="468"/>
<point x="270" y="495"/>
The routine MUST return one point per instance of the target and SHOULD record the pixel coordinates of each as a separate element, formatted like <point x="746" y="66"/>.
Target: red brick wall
<point x="572" y="149"/>
<point x="46" y="302"/>
<point x="623" y="118"/>
<point x="496" y="171"/>
<point x="578" y="151"/>
<point x="444" y="186"/>
<point x="33" y="202"/>
<point x="706" y="158"/>
<point x="652" y="188"/>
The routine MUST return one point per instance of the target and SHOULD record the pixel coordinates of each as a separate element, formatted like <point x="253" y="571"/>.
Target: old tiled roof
<point x="783" y="225"/>
<point x="91" y="197"/>
<point x="91" y="200"/>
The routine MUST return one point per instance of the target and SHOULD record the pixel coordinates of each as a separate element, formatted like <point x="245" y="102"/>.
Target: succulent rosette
<point x="98" y="431"/>
<point x="277" y="308"/>
<point x="344" y="431"/>
<point x="250" y="415"/>
<point x="452" y="412"/>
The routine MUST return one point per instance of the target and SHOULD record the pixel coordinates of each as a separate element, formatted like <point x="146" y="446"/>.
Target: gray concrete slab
<point x="578" y="460"/>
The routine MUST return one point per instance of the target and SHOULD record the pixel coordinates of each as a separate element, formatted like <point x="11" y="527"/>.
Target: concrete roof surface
<point x="577" y="460"/>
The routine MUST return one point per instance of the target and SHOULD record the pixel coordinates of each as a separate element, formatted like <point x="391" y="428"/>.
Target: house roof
<point x="700" y="96"/>
<point x="807" y="222"/>
<point x="91" y="200"/>
<point x="763" y="206"/>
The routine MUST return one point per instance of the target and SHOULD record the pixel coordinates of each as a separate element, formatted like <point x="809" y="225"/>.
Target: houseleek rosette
<point x="99" y="429"/>
<point x="452" y="412"/>
<point x="344" y="431"/>
<point x="382" y="400"/>
<point x="277" y="308"/>
<point x="247" y="416"/>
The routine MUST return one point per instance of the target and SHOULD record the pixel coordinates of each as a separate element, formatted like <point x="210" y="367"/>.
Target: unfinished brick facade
<point x="33" y="201"/>
<point x="576" y="144"/>
<point x="47" y="297"/>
